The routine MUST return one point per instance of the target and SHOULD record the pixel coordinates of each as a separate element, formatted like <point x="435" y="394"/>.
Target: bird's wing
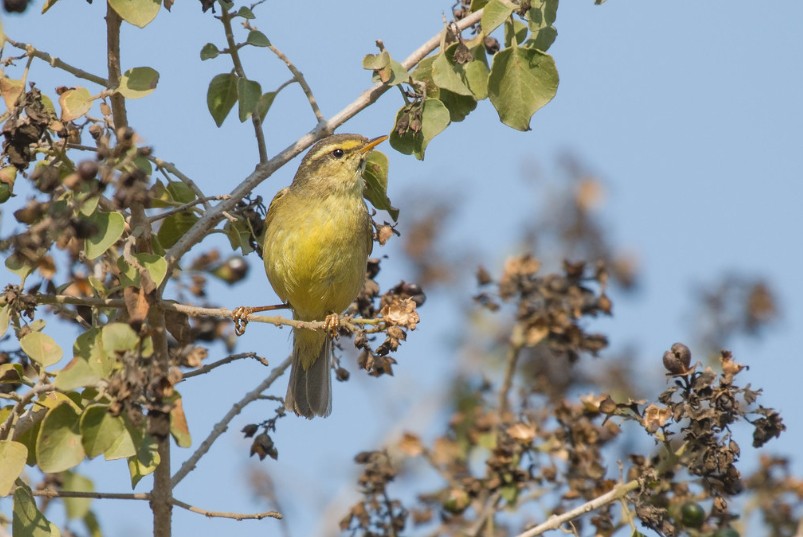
<point x="273" y="203"/>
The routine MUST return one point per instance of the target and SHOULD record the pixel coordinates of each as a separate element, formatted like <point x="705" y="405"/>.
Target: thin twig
<point x="221" y="514"/>
<point x="299" y="77"/>
<point x="51" y="493"/>
<point x="554" y="522"/>
<point x="223" y="425"/>
<point x="265" y="170"/>
<point x="225" y="18"/>
<point x="346" y="321"/>
<point x="514" y="349"/>
<point x="8" y="425"/>
<point x="171" y="168"/>
<point x="228" y="359"/>
<point x="56" y="63"/>
<point x="184" y="206"/>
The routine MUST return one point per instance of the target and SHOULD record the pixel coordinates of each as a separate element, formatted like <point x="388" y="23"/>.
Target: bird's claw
<point x="240" y="317"/>
<point x="331" y="324"/>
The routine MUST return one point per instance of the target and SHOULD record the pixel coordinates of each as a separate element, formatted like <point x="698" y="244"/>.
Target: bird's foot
<point x="331" y="324"/>
<point x="240" y="317"/>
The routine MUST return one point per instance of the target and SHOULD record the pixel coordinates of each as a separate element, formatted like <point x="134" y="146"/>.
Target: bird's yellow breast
<point x="315" y="251"/>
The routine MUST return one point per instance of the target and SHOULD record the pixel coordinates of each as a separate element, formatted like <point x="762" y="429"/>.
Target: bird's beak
<point x="373" y="143"/>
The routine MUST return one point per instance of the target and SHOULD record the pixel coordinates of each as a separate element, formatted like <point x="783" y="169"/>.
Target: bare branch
<point x="554" y="522"/>
<point x="57" y="63"/>
<point x="228" y="359"/>
<point x="223" y="425"/>
<point x="299" y="77"/>
<point x="514" y="349"/>
<point x="51" y="493"/>
<point x="265" y="170"/>
<point x="346" y="321"/>
<point x="8" y="425"/>
<point x="171" y="168"/>
<point x="184" y="206"/>
<point x="225" y="18"/>
<point x="221" y="514"/>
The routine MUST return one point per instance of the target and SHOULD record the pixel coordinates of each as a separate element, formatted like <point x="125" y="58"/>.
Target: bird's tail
<point x="309" y="392"/>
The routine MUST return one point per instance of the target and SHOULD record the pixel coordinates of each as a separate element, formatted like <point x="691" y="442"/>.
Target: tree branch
<point x="223" y="425"/>
<point x="228" y="359"/>
<point x="57" y="63"/>
<point x="221" y="514"/>
<point x="266" y="169"/>
<point x="346" y="321"/>
<point x="113" y="23"/>
<point x="225" y="18"/>
<point x="51" y="493"/>
<point x="554" y="522"/>
<point x="299" y="77"/>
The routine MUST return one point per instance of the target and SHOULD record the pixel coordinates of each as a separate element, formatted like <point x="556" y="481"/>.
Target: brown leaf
<point x="410" y="445"/>
<point x="136" y="304"/>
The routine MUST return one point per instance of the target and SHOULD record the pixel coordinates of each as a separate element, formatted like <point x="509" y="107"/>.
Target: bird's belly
<point x="316" y="260"/>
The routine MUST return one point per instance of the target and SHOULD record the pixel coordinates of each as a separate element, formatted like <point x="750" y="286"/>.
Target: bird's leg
<point x="240" y="315"/>
<point x="331" y="324"/>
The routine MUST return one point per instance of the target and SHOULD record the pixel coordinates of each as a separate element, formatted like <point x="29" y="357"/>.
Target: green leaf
<point x="89" y="346"/>
<point x="138" y="82"/>
<point x="542" y="39"/>
<point x="75" y="103"/>
<point x="13" y="454"/>
<point x="459" y="106"/>
<point x="550" y="11"/>
<point x="449" y="75"/>
<point x="103" y="433"/>
<point x="5" y="311"/>
<point x="374" y="62"/>
<point x="27" y="520"/>
<point x="109" y="228"/>
<point x="145" y="460"/>
<point x="58" y="445"/>
<point x="174" y="227"/>
<point x="393" y="74"/>
<point x="257" y="39"/>
<point x="522" y="81"/>
<point x="248" y="95"/>
<point x="515" y="30"/>
<point x="209" y="51"/>
<point x="77" y="507"/>
<point x="239" y="235"/>
<point x="18" y="265"/>
<point x="477" y="78"/>
<point x="180" y="192"/>
<point x="154" y="265"/>
<point x="11" y="374"/>
<point x="376" y="183"/>
<point x="221" y="96"/>
<point x="92" y="525"/>
<point x="76" y="374"/>
<point x="179" y="428"/>
<point x="245" y="13"/>
<point x="434" y="118"/>
<point x="137" y="12"/>
<point x="423" y="73"/>
<point x="264" y="105"/>
<point x="494" y="14"/>
<point x="118" y="337"/>
<point x="476" y="5"/>
<point x="41" y="348"/>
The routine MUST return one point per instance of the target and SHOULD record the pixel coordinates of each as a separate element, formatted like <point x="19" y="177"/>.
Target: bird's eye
<point x="338" y="153"/>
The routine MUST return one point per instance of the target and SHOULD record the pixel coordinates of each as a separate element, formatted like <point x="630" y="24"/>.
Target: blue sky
<point x="689" y="112"/>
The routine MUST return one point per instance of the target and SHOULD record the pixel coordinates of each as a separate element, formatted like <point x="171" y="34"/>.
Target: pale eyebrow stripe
<point x="345" y="145"/>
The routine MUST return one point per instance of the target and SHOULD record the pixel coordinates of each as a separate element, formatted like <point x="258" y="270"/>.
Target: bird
<point x="318" y="236"/>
